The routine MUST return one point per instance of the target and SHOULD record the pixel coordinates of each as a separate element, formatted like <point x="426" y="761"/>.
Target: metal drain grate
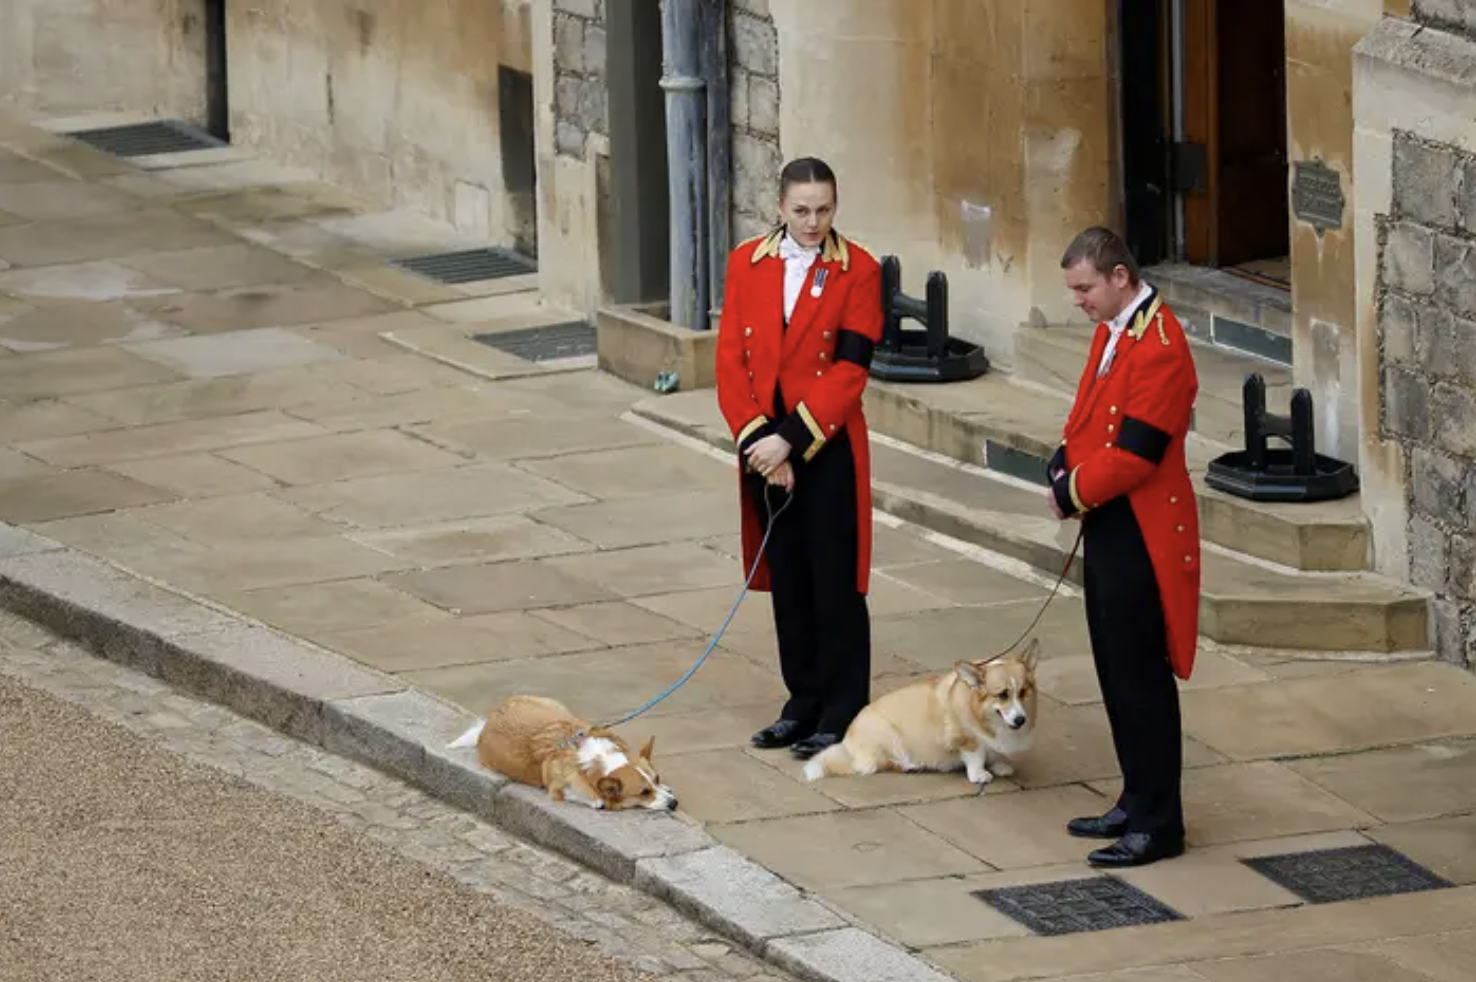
<point x="572" y="339"/>
<point x="1327" y="876"/>
<point x="145" y="139"/>
<point x="468" y="265"/>
<point x="1073" y="906"/>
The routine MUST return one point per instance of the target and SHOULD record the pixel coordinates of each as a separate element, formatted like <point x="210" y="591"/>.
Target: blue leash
<point x="712" y="645"/>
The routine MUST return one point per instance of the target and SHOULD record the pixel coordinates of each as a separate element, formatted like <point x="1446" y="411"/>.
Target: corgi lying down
<point x="974" y="717"/>
<point x="537" y="741"/>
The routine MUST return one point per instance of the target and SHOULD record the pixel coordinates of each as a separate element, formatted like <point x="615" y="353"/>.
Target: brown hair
<point x="1104" y="249"/>
<point x="805" y="170"/>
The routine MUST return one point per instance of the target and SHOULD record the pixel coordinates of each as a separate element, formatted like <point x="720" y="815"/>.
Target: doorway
<point x="1204" y="134"/>
<point x="217" y="91"/>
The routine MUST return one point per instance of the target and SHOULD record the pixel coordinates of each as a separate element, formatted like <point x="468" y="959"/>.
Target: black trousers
<point x="821" y="619"/>
<point x="1130" y="647"/>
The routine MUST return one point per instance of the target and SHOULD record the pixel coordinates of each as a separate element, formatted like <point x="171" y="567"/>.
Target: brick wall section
<point x="580" y="97"/>
<point x="1427" y="334"/>
<point x="753" y="73"/>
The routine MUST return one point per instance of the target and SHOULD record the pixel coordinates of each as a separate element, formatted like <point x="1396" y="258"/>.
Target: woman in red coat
<point x="801" y="316"/>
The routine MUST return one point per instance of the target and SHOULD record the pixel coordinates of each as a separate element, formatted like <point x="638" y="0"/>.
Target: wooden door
<point x="1234" y="92"/>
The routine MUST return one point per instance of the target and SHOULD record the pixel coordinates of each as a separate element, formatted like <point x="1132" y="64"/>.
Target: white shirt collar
<point x="1120" y="322"/>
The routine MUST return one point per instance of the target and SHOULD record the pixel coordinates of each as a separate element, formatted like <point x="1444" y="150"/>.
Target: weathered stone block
<point x="588" y="9"/>
<point x="1451" y="15"/>
<point x="1455" y="274"/>
<point x="1409" y="259"/>
<point x="569" y="139"/>
<point x="759" y="8"/>
<point x="611" y="842"/>
<point x="1468" y="197"/>
<point x="763" y="105"/>
<point x="18" y="542"/>
<point x="1462" y="572"/>
<point x="756" y="163"/>
<point x="1448" y="631"/>
<point x="1438" y="486"/>
<point x="756" y="45"/>
<point x="1399" y="322"/>
<point x="594" y="50"/>
<point x="569" y="43"/>
<point x="1429" y="554"/>
<point x="733" y="894"/>
<point x="1435" y="345"/>
<point x="850" y="955"/>
<point x="394" y="731"/>
<point x="1406" y="404"/>
<point x="1425" y="181"/>
<point x="1454" y="407"/>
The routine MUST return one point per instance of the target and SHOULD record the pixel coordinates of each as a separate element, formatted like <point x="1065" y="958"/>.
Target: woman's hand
<point x="783" y="476"/>
<point x="766" y="455"/>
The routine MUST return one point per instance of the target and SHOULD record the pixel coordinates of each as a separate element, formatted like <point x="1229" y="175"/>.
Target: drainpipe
<point x="686" y="155"/>
<point x="719" y="149"/>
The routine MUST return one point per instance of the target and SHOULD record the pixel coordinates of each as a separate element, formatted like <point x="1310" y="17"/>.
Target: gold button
<point x="1188" y="559"/>
<point x="1111" y="428"/>
<point x="748" y="354"/>
<point x="823" y="356"/>
<point x="750" y="374"/>
<point x="827" y="335"/>
<point x="818" y="374"/>
<point x="1113" y="410"/>
<point x="1109" y="443"/>
<point x="832" y="427"/>
<point x="1173" y="499"/>
<point x="1181" y="528"/>
<point x="747" y="331"/>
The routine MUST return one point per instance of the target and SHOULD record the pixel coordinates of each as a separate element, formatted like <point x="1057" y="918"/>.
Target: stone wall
<point x="1427" y="330"/>
<point x="81" y="56"/>
<point x="753" y="74"/>
<point x="581" y="104"/>
<point x="398" y="100"/>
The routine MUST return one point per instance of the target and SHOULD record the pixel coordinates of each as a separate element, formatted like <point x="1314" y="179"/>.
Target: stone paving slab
<point x="412" y="541"/>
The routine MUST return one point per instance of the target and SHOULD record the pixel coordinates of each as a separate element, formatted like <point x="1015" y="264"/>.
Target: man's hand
<point x="1055" y="505"/>
<point x="783" y="476"/>
<point x="766" y="455"/>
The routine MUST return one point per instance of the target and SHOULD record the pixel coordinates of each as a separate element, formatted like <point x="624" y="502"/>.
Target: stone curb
<point x="327" y="700"/>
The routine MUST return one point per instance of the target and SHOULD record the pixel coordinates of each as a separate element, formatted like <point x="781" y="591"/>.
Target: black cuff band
<point x="1143" y="440"/>
<point x="753" y="438"/>
<point x="1062" y="490"/>
<point x="798" y="436"/>
<point x="854" y="348"/>
<point x="1056" y="463"/>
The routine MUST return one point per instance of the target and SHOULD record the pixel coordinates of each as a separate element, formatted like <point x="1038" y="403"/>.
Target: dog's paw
<point x="980" y="777"/>
<point x="814" y="770"/>
<point x="1002" y="768"/>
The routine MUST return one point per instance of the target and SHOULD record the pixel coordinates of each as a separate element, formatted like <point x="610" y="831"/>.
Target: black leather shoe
<point x="1137" y="849"/>
<point x="781" y="733"/>
<point x="812" y="745"/>
<point x="1109" y="826"/>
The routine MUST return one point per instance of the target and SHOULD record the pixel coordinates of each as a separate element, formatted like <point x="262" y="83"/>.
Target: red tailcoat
<point x="821" y="362"/>
<point x="1125" y="436"/>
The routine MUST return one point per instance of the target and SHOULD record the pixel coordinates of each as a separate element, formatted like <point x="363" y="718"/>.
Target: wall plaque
<point x="1317" y="195"/>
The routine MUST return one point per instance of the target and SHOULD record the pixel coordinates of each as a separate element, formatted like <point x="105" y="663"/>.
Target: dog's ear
<point x="1031" y="658"/>
<point x="969" y="673"/>
<point x="609" y="788"/>
<point x="648" y="750"/>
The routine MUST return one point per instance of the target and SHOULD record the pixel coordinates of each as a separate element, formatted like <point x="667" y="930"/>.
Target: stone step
<point x="1243" y="602"/>
<point x="1054" y="356"/>
<point x="1014" y="427"/>
<point x="1226" y="309"/>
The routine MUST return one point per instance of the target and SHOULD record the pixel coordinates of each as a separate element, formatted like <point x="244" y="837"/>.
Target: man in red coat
<point x="1121" y="470"/>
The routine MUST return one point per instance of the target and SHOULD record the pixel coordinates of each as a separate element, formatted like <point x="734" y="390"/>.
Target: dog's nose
<point x="671" y="804"/>
<point x="1017" y="722"/>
